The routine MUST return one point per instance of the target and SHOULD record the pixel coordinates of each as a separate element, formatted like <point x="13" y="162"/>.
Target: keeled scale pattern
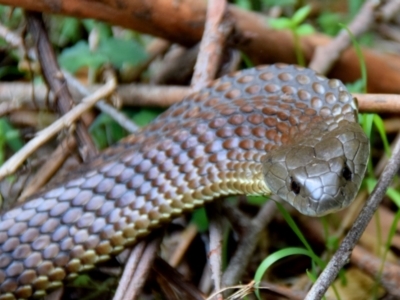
<point x="208" y="145"/>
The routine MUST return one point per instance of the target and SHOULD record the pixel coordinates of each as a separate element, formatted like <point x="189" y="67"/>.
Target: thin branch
<point x="137" y="268"/>
<point x="378" y="103"/>
<point x="388" y="11"/>
<point x="247" y="244"/>
<point x="326" y="56"/>
<point x="12" y="164"/>
<point x="15" y="95"/>
<point x="49" y="168"/>
<point x="118" y="116"/>
<point x="53" y="76"/>
<point x="212" y="44"/>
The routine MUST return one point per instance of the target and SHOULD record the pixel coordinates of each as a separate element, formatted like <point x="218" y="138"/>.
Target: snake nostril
<point x="346" y="173"/>
<point x="294" y="186"/>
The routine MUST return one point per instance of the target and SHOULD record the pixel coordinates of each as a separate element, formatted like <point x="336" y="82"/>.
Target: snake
<point x="280" y="129"/>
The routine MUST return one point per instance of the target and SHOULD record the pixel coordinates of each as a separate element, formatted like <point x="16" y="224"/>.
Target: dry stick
<point x="119" y="117"/>
<point x="137" y="269"/>
<point x="15" y="95"/>
<point x="326" y="56"/>
<point x="154" y="49"/>
<point x="169" y="278"/>
<point x="49" y="168"/>
<point x="388" y="275"/>
<point x="130" y="266"/>
<point x="12" y="164"/>
<point x="342" y="255"/>
<point x="56" y="81"/>
<point x="288" y="293"/>
<point x="378" y="103"/>
<point x="388" y="11"/>
<point x="186" y="238"/>
<point x="177" y="66"/>
<point x="216" y="234"/>
<point x="212" y="44"/>
<point x="247" y="244"/>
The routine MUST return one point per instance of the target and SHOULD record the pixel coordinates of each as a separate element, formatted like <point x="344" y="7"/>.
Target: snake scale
<point x="279" y="128"/>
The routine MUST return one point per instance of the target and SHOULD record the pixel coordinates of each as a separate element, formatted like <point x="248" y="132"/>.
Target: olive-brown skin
<point x="226" y="139"/>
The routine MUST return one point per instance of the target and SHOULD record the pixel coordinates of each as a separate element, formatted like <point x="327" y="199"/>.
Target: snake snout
<point x="320" y="176"/>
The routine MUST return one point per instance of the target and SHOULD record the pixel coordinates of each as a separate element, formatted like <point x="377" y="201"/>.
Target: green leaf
<point x="299" y="234"/>
<point x="281" y="23"/>
<point x="280" y="3"/>
<point x="381" y="129"/>
<point x="120" y="51"/>
<point x="145" y="116"/>
<point x="356" y="86"/>
<point x="301" y="14"/>
<point x="78" y="56"/>
<point x="371" y="183"/>
<point x="274" y="257"/>
<point x="244" y="4"/>
<point x="360" y="56"/>
<point x="305" y="29"/>
<point x="103" y="29"/>
<point x="8" y="137"/>
<point x="114" y="51"/>
<point x="329" y="22"/>
<point x="199" y="217"/>
<point x="105" y="131"/>
<point x="394" y="195"/>
<point x="257" y="200"/>
<point x="69" y="29"/>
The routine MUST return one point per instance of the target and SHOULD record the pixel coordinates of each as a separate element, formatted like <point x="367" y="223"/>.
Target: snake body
<point x="274" y="128"/>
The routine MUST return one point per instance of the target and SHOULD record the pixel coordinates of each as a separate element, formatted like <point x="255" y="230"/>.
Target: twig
<point x="212" y="44"/>
<point x="119" y="117"/>
<point x="247" y="244"/>
<point x="378" y="103"/>
<point x="15" y="95"/>
<point x="54" y="78"/>
<point x="186" y="238"/>
<point x="388" y="276"/>
<point x="177" y="66"/>
<point x="12" y="164"/>
<point x="136" y="269"/>
<point x="342" y="255"/>
<point x="49" y="168"/>
<point x="388" y="11"/>
<point x="156" y="48"/>
<point x="326" y="56"/>
<point x="216" y="242"/>
<point x="173" y="283"/>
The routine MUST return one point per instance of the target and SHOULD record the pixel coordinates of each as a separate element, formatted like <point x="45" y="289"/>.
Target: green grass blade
<point x="274" y="257"/>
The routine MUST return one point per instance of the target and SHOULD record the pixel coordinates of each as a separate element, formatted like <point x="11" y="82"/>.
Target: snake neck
<point x="240" y="178"/>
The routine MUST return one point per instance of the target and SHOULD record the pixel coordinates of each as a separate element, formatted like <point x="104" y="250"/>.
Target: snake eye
<point x="294" y="186"/>
<point x="346" y="173"/>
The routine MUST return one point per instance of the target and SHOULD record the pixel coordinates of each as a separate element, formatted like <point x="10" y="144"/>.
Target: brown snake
<point x="273" y="128"/>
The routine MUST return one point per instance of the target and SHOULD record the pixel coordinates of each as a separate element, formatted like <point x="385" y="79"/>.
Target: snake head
<point x="321" y="172"/>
